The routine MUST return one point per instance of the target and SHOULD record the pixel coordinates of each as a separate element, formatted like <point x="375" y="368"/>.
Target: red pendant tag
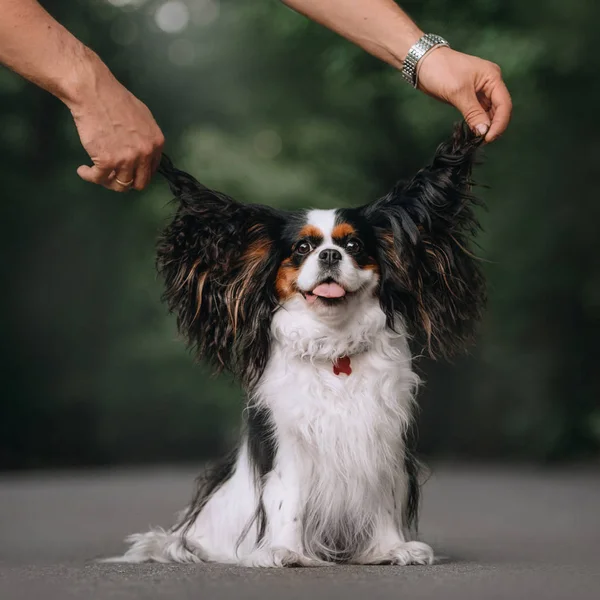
<point x="342" y="365"/>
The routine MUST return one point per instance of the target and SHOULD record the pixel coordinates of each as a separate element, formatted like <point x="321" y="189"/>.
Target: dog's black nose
<point x="330" y="256"/>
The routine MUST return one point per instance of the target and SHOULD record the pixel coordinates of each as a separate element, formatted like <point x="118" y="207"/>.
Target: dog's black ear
<point x="429" y="275"/>
<point x="219" y="260"/>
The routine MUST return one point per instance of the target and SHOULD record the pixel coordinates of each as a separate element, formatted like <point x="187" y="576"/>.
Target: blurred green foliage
<point x="263" y="104"/>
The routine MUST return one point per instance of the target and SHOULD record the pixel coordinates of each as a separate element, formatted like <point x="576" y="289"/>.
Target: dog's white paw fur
<point x="278" y="557"/>
<point x="412" y="553"/>
<point x="160" y="546"/>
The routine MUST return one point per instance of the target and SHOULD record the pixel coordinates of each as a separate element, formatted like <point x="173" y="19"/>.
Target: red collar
<point x="342" y="365"/>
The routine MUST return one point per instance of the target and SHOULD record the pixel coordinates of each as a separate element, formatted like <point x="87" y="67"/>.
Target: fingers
<point x="484" y="101"/>
<point x="124" y="178"/>
<point x="96" y="174"/>
<point x="473" y="85"/>
<point x="133" y="174"/>
<point x="143" y="173"/>
<point x="488" y="111"/>
<point x="148" y="165"/>
<point x="104" y="176"/>
<point x="474" y="113"/>
<point x="158" y="153"/>
<point x="156" y="162"/>
<point x="501" y="111"/>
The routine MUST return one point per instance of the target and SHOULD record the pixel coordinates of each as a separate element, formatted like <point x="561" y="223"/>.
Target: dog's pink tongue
<point x="329" y="290"/>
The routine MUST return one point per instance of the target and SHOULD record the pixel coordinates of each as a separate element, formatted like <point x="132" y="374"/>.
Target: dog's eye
<point x="303" y="248"/>
<point x="353" y="246"/>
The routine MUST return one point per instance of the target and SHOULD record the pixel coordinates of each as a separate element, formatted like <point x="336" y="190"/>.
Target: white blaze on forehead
<point x="324" y="220"/>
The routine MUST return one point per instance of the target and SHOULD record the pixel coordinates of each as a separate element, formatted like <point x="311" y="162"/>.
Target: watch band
<point x="427" y="43"/>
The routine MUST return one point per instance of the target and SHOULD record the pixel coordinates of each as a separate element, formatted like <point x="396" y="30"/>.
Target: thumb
<point x="86" y="173"/>
<point x="475" y="116"/>
<point x="93" y="174"/>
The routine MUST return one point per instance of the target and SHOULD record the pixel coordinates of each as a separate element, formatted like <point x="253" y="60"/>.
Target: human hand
<point x="117" y="131"/>
<point x="473" y="85"/>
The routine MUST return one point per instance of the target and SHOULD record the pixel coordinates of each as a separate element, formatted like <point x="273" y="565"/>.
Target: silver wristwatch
<point x="427" y="43"/>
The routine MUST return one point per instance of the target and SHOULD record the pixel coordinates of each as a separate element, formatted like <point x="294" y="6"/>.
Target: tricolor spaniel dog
<point x="315" y="311"/>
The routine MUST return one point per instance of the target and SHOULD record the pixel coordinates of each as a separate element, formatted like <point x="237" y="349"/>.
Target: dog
<point x="315" y="312"/>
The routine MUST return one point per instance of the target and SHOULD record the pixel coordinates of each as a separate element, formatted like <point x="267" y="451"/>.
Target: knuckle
<point x="105" y="162"/>
<point x="99" y="177"/>
<point x="471" y="114"/>
<point x="128" y="156"/>
<point x="495" y="68"/>
<point x="146" y="149"/>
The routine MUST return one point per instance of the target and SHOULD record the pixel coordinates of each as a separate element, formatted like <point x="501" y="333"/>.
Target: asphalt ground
<point x="500" y="532"/>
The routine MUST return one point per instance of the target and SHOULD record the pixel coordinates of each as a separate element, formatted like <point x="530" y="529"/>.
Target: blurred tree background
<point x="259" y="102"/>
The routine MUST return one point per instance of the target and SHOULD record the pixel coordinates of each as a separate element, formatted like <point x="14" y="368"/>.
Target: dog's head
<point x="328" y="264"/>
<point x="229" y="266"/>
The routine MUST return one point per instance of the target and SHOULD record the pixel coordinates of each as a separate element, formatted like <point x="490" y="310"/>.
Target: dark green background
<point x="260" y="103"/>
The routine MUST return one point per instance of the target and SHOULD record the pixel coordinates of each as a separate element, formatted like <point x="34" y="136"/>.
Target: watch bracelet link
<point x="417" y="51"/>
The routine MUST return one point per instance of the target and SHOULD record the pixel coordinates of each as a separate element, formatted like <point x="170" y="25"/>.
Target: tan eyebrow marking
<point x="342" y="230"/>
<point x="310" y="231"/>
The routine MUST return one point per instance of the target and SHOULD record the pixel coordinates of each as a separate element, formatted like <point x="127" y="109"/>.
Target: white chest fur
<point x="308" y="399"/>
<point x="341" y="435"/>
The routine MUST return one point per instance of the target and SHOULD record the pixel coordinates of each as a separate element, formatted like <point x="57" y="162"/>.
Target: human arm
<point x="115" y="128"/>
<point x="473" y="85"/>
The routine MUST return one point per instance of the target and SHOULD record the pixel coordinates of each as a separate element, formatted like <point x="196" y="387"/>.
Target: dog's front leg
<point x="281" y="545"/>
<point x="390" y="545"/>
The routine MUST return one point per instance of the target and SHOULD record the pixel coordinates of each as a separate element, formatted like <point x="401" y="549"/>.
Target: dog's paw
<point x="270" y="558"/>
<point x="278" y="557"/>
<point x="412" y="553"/>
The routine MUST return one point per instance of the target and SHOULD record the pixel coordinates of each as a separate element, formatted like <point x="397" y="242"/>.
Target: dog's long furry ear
<point x="424" y="228"/>
<point x="219" y="260"/>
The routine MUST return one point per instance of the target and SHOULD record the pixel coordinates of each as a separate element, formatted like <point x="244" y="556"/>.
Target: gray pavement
<point x="503" y="533"/>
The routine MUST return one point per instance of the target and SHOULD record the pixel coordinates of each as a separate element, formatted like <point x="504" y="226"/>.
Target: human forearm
<point x="115" y="128"/>
<point x="380" y="27"/>
<point x="34" y="45"/>
<point x="473" y="85"/>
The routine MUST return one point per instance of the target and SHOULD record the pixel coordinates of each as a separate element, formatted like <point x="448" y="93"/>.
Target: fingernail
<point x="482" y="128"/>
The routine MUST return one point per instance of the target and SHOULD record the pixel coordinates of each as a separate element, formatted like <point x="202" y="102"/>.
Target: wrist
<point x="80" y="82"/>
<point x="402" y="43"/>
<point x="418" y="53"/>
